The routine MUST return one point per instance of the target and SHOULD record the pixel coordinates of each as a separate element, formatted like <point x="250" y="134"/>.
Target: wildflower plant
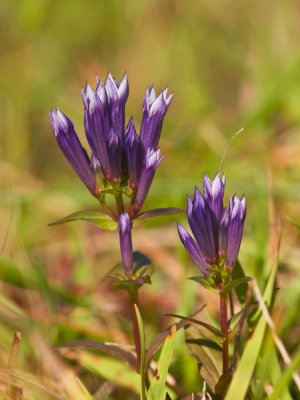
<point x="217" y="232"/>
<point x="122" y="164"/>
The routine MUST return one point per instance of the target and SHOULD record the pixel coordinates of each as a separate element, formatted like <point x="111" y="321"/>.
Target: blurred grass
<point x="230" y="65"/>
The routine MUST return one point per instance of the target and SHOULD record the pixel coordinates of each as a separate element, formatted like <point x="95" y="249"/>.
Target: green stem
<point x="224" y="329"/>
<point x="138" y="318"/>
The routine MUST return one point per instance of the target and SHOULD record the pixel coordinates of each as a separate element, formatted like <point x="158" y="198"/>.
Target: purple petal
<point x="117" y="97"/>
<point x="214" y="193"/>
<point x="152" y="160"/>
<point x="101" y="92"/>
<point x="150" y="96"/>
<point x="223" y="233"/>
<point x="124" y="226"/>
<point x="70" y="145"/>
<point x="133" y="151"/>
<point x="114" y="151"/>
<point x="154" y="110"/>
<point x="193" y="250"/>
<point x="237" y="215"/>
<point x="96" y="125"/>
<point x="204" y="227"/>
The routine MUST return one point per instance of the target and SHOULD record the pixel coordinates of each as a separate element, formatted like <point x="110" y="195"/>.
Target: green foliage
<point x="157" y="389"/>
<point x="242" y="376"/>
<point x="94" y="217"/>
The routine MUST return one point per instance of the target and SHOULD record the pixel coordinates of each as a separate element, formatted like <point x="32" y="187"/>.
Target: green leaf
<point x="286" y="377"/>
<point x="102" y="220"/>
<point x="242" y="376"/>
<point x="240" y="290"/>
<point x="158" y="212"/>
<point x="207" y="353"/>
<point x="233" y="284"/>
<point x="84" y="389"/>
<point x="157" y="390"/>
<point x="111" y="369"/>
<point x="203" y="281"/>
<point x="211" y="328"/>
<point x="236" y="318"/>
<point x="269" y="370"/>
<point x="143" y="353"/>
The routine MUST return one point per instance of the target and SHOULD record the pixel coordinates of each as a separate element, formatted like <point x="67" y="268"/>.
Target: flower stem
<point x="224" y="329"/>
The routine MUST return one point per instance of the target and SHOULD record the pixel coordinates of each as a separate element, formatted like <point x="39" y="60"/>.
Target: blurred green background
<point x="230" y="64"/>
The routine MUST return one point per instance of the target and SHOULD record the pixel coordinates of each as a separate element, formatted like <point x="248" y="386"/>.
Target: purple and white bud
<point x="193" y="250"/>
<point x="217" y="231"/>
<point x="214" y="193"/>
<point x="114" y="151"/>
<point x="204" y="227"/>
<point x="237" y="215"/>
<point x="154" y="110"/>
<point x="124" y="226"/>
<point x="152" y="161"/>
<point x="134" y="155"/>
<point x="71" y="147"/>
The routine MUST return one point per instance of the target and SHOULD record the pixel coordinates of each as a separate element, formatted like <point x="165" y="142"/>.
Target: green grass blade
<point x="242" y="376"/>
<point x="157" y="389"/>
<point x="286" y="377"/>
<point x="143" y="394"/>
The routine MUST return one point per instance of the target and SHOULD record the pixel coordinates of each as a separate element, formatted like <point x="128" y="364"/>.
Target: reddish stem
<point x="224" y="329"/>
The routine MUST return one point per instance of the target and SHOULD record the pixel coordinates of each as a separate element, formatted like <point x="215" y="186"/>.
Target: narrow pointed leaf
<point x="112" y="350"/>
<point x="202" y="281"/>
<point x="143" y="353"/>
<point x="102" y="220"/>
<point x="110" y="369"/>
<point x="233" y="284"/>
<point x="84" y="389"/>
<point x="236" y="318"/>
<point x="157" y="390"/>
<point x="211" y="328"/>
<point x="286" y="377"/>
<point x="157" y="212"/>
<point x="240" y="290"/>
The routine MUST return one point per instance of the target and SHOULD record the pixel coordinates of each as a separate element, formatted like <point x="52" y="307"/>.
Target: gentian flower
<point x="120" y="160"/>
<point x="217" y="230"/>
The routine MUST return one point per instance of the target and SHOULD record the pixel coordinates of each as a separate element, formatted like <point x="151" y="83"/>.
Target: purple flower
<point x="154" y="110"/>
<point x="124" y="226"/>
<point x="121" y="160"/>
<point x="151" y="162"/>
<point x="237" y="215"/>
<point x="69" y="143"/>
<point x="217" y="231"/>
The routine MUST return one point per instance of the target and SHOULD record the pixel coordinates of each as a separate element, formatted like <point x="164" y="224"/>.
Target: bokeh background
<point x="231" y="65"/>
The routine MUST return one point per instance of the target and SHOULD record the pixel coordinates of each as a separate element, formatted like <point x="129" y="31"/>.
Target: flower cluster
<point x="121" y="161"/>
<point x="217" y="230"/>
